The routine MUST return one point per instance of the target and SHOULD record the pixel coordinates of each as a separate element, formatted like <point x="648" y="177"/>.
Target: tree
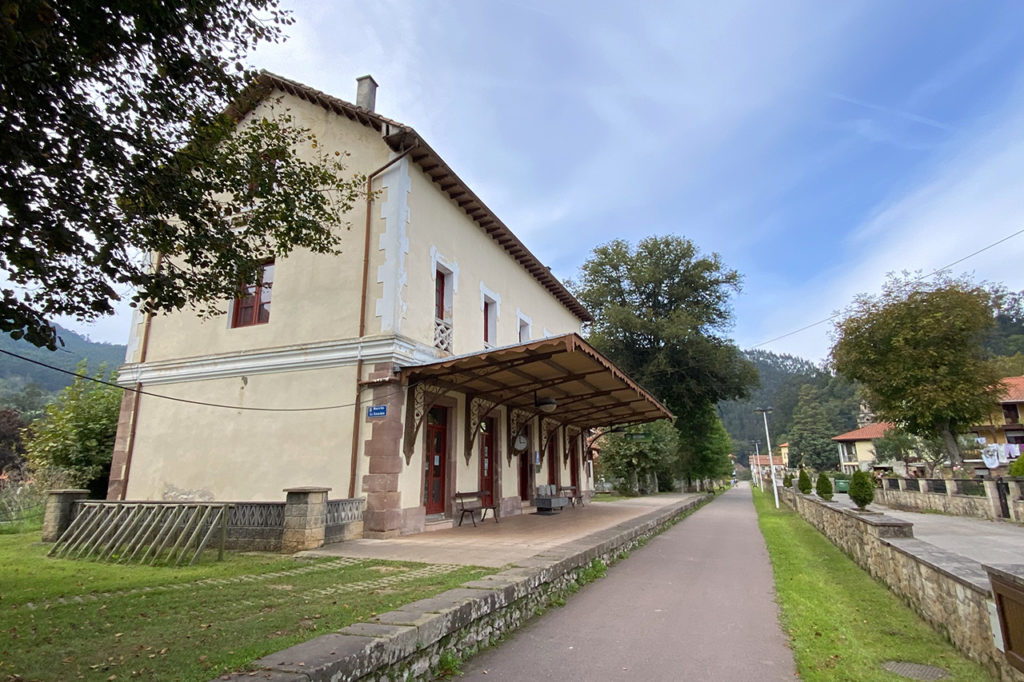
<point x="77" y="432"/>
<point x="896" y="446"/>
<point x="640" y="454"/>
<point x="127" y="131"/>
<point x="12" y="450"/>
<point x="704" y="448"/>
<point x="862" y="491"/>
<point x="803" y="482"/>
<point x="917" y="351"/>
<point x="660" y="313"/>
<point x="810" y="437"/>
<point x="823" y="487"/>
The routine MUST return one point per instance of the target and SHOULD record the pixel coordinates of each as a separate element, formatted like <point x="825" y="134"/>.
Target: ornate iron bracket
<point x="477" y="409"/>
<point x="417" y="406"/>
<point x="518" y="424"/>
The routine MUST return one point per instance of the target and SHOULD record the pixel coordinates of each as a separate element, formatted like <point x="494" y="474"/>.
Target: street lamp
<point x="757" y="463"/>
<point x="763" y="411"/>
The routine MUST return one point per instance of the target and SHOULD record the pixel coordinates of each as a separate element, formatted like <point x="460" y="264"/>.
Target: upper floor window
<point x="253" y="305"/>
<point x="439" y="298"/>
<point x="1010" y="413"/>
<point x="443" y="281"/>
<point x="490" y="316"/>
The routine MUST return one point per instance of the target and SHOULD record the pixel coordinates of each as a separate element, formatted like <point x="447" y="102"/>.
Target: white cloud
<point x="969" y="199"/>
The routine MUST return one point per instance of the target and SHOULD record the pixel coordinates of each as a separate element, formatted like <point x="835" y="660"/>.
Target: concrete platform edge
<point x="407" y="644"/>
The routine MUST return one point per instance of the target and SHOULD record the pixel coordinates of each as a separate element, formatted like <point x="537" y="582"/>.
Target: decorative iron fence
<point x="937" y="485"/>
<point x="913" y="484"/>
<point x="972" y="487"/>
<point x="891" y="483"/>
<point x="340" y="512"/>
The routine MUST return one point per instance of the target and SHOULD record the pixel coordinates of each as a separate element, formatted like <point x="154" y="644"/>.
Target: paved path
<point x="984" y="541"/>
<point x="513" y="539"/>
<point x="697" y="602"/>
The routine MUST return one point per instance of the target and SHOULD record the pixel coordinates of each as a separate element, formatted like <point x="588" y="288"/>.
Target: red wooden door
<point x="574" y="465"/>
<point x="552" y="458"/>
<point x="434" y="460"/>
<point x="487" y="459"/>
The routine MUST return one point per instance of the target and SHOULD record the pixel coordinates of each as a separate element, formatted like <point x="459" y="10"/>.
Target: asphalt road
<point x="697" y="602"/>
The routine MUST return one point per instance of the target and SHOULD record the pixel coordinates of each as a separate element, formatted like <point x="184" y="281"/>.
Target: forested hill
<point x="782" y="376"/>
<point x="15" y="373"/>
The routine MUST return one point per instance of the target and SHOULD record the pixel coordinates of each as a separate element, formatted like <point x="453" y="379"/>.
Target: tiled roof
<point x="1014" y="392"/>
<point x="865" y="433"/>
<point x="401" y="137"/>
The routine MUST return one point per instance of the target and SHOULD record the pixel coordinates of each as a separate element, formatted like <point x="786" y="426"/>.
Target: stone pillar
<point x="384" y="516"/>
<point x="924" y="485"/>
<point x="305" y="519"/>
<point x="1015" y="493"/>
<point x="60" y="511"/>
<point x="952" y="487"/>
<point x="992" y="496"/>
<point x="902" y="483"/>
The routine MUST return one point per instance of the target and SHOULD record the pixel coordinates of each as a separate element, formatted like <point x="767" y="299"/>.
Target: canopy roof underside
<point x="589" y="390"/>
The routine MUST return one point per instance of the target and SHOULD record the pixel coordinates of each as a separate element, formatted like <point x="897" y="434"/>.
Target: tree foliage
<point x="119" y="142"/>
<point x="640" y="453"/>
<point x="782" y="376"/>
<point x="803" y="482"/>
<point x="917" y="350"/>
<point x="660" y="312"/>
<point x="862" y="490"/>
<point x="12" y="450"/>
<point x="823" y="487"/>
<point x="77" y="432"/>
<point x="704" y="448"/>
<point x="810" y="436"/>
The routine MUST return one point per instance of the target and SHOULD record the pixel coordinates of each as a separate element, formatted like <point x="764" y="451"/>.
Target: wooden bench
<point x="472" y="502"/>
<point x="569" y="491"/>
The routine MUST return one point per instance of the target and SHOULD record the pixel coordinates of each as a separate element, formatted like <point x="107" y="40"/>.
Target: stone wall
<point x="958" y="505"/>
<point x="949" y="591"/>
<point x="408" y="643"/>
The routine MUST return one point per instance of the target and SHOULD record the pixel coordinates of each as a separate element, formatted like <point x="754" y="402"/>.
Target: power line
<point x="186" y="400"/>
<point x="921" y="278"/>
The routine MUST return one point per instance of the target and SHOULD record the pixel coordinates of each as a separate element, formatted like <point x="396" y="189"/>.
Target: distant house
<point x="436" y="354"/>
<point x="784" y="454"/>
<point x="857" y="447"/>
<point x="1004" y="425"/>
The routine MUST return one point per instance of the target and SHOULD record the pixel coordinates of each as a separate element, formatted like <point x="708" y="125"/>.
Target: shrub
<point x="804" y="482"/>
<point x="862" y="491"/>
<point x="823" y="487"/>
<point x="787" y="480"/>
<point x="1017" y="467"/>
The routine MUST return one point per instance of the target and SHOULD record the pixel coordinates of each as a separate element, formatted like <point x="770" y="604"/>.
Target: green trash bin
<point x="842" y="485"/>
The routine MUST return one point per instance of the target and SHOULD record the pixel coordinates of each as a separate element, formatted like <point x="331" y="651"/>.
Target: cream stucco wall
<point x="185" y="451"/>
<point x="315" y="297"/>
<point x="439" y="231"/>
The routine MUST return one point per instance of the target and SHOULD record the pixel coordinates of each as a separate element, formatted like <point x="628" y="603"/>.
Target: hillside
<point x="15" y="373"/>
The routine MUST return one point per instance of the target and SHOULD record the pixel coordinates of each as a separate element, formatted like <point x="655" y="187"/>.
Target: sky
<point x="814" y="146"/>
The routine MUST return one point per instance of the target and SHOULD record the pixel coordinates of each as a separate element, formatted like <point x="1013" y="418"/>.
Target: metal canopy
<point x="589" y="390"/>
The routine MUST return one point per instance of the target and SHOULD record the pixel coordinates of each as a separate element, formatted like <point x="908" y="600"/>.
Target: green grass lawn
<point x="843" y="624"/>
<point x="66" y="619"/>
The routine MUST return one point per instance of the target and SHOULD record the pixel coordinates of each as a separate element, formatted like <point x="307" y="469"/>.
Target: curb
<point x="409" y="643"/>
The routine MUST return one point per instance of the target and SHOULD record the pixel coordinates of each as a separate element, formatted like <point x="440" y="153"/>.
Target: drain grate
<point x="915" y="671"/>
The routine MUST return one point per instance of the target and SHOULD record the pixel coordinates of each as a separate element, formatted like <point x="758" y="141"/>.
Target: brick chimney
<point x="366" y="92"/>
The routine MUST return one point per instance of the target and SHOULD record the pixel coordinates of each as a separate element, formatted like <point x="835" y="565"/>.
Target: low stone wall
<point x="959" y="505"/>
<point x="949" y="591"/>
<point x="408" y="643"/>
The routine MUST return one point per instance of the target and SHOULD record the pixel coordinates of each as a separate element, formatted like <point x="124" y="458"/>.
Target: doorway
<point x="552" y="458"/>
<point x="574" y="465"/>
<point x="435" y="459"/>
